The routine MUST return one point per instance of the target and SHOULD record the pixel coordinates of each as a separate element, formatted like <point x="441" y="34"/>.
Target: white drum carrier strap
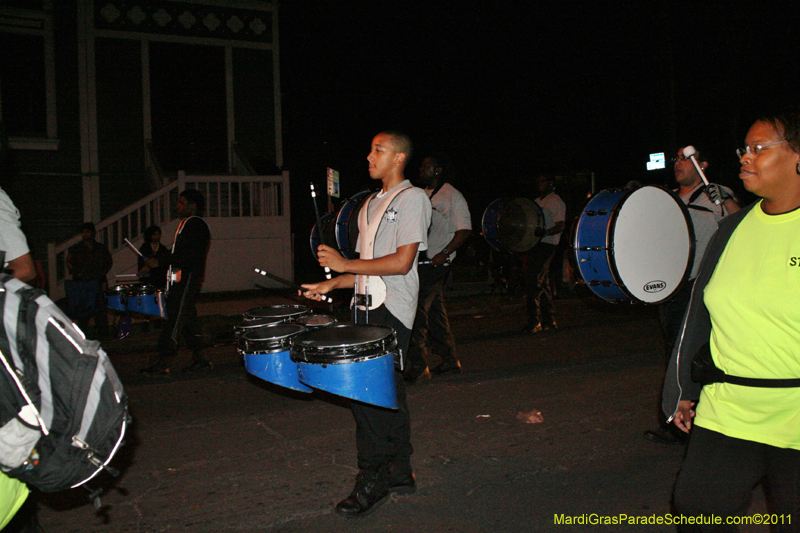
<point x="371" y="289"/>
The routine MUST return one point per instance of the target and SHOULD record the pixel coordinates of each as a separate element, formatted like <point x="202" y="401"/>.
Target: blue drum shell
<point x="352" y="361"/>
<point x="591" y="245"/>
<point x="267" y="356"/>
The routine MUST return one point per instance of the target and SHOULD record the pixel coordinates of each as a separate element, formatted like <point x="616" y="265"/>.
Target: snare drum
<point x="509" y="225"/>
<point x="634" y="244"/>
<point x="117" y="297"/>
<point x="354" y="361"/>
<point x="147" y="300"/>
<point x="267" y="356"/>
<point x="279" y="312"/>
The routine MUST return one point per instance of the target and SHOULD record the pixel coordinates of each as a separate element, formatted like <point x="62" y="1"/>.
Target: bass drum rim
<point x="492" y="231"/>
<point x="345" y="229"/>
<point x="610" y="247"/>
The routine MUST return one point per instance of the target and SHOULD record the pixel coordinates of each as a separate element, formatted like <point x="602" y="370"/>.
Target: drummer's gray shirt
<point x="705" y="222"/>
<point x="405" y="222"/>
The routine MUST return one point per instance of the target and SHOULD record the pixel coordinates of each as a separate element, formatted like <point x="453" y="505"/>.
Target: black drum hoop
<point x="306" y="348"/>
<point x="280" y="341"/>
<point x="283" y="312"/>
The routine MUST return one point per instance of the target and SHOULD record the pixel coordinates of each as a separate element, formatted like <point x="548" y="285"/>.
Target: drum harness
<point x="363" y="297"/>
<point x="695" y="195"/>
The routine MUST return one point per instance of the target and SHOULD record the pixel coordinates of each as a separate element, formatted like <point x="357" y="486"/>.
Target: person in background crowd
<point x="152" y="247"/>
<point x="89" y="262"/>
<point x="450" y="228"/>
<point x="538" y="284"/>
<point x="187" y="266"/>
<point x="705" y="216"/>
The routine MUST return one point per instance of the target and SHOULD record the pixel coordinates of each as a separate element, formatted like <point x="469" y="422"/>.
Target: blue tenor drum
<point x="266" y="352"/>
<point x="147" y="300"/>
<point x="272" y="314"/>
<point x="509" y="225"/>
<point x="353" y="361"/>
<point x="117" y="297"/>
<point x="634" y="245"/>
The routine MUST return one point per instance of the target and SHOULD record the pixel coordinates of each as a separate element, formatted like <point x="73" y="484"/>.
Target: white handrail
<point x="226" y="196"/>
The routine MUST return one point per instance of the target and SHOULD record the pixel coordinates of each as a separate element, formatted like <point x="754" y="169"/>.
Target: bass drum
<point x="509" y="224"/>
<point x="340" y="230"/>
<point x="634" y="245"/>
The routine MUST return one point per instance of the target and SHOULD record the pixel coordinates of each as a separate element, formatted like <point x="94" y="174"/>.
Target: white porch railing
<point x="254" y="208"/>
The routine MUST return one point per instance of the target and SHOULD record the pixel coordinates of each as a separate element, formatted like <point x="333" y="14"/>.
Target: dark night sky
<point x="511" y="91"/>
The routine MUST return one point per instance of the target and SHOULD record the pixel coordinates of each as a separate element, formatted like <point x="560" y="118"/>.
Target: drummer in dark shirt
<point x="187" y="265"/>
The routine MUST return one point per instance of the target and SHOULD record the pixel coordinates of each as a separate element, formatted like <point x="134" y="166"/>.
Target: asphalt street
<point x="224" y="451"/>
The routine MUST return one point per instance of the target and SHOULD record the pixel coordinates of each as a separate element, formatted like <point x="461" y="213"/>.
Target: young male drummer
<point x="705" y="216"/>
<point x="383" y="436"/>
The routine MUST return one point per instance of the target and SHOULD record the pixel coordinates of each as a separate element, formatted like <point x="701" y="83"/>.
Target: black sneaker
<point x="197" y="366"/>
<point x="447" y="367"/>
<point x="370" y="491"/>
<point x="157" y="370"/>
<point x="415" y="375"/>
<point x="404" y="487"/>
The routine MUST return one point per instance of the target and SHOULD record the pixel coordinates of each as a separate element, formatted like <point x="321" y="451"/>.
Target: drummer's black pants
<point x="181" y="320"/>
<point x="383" y="436"/>
<point x="431" y="326"/>
<point x="538" y="285"/>
<point x="670" y="314"/>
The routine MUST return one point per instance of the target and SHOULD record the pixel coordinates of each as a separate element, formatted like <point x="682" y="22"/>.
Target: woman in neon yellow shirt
<point x="745" y="307"/>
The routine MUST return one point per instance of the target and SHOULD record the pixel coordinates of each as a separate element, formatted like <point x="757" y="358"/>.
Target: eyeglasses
<point x="681" y="159"/>
<point x="753" y="149"/>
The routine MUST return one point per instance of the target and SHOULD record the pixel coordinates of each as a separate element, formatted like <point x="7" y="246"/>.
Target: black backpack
<point x="63" y="411"/>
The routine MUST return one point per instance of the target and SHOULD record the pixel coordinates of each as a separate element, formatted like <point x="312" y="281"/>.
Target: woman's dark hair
<point x="149" y="232"/>
<point x="787" y="124"/>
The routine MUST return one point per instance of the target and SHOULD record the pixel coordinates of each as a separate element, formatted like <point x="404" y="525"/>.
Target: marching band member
<point x="388" y="255"/>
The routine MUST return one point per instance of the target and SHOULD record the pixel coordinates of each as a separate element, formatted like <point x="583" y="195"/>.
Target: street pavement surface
<point x="224" y="451"/>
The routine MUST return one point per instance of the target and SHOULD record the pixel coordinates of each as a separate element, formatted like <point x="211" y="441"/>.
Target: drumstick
<point x="136" y="251"/>
<point x="319" y="225"/>
<point x="690" y="152"/>
<point x="325" y="297"/>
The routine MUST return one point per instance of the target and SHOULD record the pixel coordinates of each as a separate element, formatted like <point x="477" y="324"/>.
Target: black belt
<point x="705" y="372"/>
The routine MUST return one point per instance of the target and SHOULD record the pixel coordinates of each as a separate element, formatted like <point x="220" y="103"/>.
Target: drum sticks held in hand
<point x="135" y="250"/>
<point x="690" y="153"/>
<point x="325" y="297"/>
<point x="319" y="225"/>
